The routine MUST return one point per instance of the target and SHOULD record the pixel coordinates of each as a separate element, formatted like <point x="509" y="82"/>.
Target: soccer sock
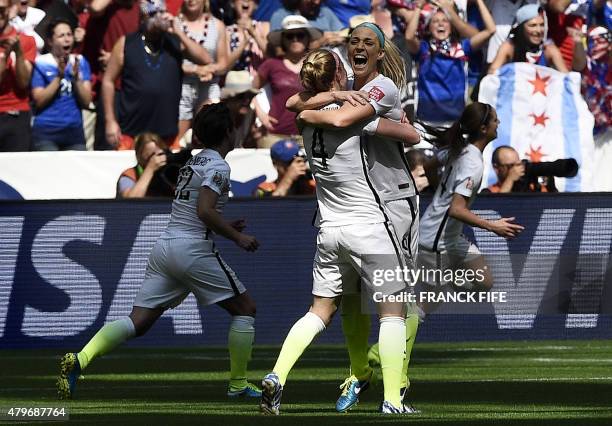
<point x="392" y="343"/>
<point x="298" y="339"/>
<point x="106" y="339"/>
<point x="412" y="324"/>
<point x="240" y="345"/>
<point x="356" y="328"/>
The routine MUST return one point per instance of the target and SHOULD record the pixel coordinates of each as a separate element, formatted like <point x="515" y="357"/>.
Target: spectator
<point x="504" y="15"/>
<point x="135" y="182"/>
<point x="201" y="82"/>
<point x="61" y="87"/>
<point x="527" y="42"/>
<point x="149" y="64"/>
<point x="17" y="53"/>
<point x="442" y="59"/>
<point x="565" y="21"/>
<point x="597" y="81"/>
<point x="283" y="75"/>
<point x="105" y="23"/>
<point x="344" y="10"/>
<point x="508" y="168"/>
<point x="237" y="94"/>
<point x="247" y="37"/>
<point x="292" y="172"/>
<point x="320" y="17"/>
<point x="27" y="19"/>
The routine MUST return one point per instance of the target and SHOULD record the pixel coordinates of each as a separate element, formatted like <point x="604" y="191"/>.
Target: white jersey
<point x="344" y="195"/>
<point x="208" y="169"/>
<point x="461" y="176"/>
<point x="387" y="163"/>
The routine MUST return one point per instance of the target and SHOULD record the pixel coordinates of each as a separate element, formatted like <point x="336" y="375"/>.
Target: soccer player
<point x="379" y="70"/>
<point x="352" y="225"/>
<point x="441" y="242"/>
<point x="184" y="260"/>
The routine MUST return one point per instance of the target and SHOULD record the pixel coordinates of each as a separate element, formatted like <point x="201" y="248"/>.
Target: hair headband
<point x="337" y="59"/>
<point x="377" y="31"/>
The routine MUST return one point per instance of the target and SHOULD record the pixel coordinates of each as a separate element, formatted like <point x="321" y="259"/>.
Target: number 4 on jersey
<point x="318" y="147"/>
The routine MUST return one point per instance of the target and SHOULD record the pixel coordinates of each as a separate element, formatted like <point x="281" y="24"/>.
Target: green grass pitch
<point x="506" y="383"/>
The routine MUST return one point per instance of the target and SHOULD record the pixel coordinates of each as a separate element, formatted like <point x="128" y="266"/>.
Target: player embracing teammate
<point x="359" y="176"/>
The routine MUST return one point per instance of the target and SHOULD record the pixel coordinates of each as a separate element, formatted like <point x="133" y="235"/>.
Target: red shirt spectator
<point x="17" y="53"/>
<point x="13" y="97"/>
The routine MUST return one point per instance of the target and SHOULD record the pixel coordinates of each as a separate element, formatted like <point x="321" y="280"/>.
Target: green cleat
<point x="70" y="372"/>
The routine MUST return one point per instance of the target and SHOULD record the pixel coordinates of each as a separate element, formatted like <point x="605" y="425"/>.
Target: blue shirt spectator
<point x="346" y="9"/>
<point x="325" y="20"/>
<point x="61" y="86"/>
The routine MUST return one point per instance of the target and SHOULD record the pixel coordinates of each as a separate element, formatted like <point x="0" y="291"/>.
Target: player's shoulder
<point x="209" y="159"/>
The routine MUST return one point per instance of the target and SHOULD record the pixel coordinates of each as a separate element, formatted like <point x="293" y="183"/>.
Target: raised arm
<point x="402" y="132"/>
<point x="309" y="100"/>
<point x="481" y="37"/>
<point x="504" y="54"/>
<point x="412" y="40"/>
<point x="346" y="116"/>
<point x="464" y="29"/>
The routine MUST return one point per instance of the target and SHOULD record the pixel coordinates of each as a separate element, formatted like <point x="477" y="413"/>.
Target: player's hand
<point x="505" y="228"/>
<point x="247" y="242"/>
<point x="113" y="133"/>
<point x="353" y="97"/>
<point x="76" y="68"/>
<point x="156" y="162"/>
<point x="516" y="172"/>
<point x="238" y="225"/>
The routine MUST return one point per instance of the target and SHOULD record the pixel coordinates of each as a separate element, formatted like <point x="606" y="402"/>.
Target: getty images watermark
<point x="470" y="284"/>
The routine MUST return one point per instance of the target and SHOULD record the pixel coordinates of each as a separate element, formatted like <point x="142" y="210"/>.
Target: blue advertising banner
<point x="68" y="267"/>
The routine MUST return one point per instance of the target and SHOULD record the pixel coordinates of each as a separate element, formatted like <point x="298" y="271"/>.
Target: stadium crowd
<point x="96" y="74"/>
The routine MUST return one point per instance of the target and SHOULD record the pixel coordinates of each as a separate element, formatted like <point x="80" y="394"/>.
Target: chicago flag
<point x="543" y="116"/>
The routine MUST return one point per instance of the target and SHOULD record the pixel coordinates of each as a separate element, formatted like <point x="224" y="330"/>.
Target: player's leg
<point x="356" y="329"/>
<point x="240" y="343"/>
<point x="299" y="338"/>
<point x="157" y="293"/>
<point x="104" y="341"/>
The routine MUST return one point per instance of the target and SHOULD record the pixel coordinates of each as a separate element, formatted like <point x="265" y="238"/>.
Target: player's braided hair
<point x="212" y="124"/>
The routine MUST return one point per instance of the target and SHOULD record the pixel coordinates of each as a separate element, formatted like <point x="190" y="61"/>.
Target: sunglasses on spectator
<point x="295" y="36"/>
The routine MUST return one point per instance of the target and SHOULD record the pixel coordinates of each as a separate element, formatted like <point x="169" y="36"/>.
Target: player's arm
<point x="207" y="200"/>
<point x="503" y="227"/>
<point x="402" y="132"/>
<point x="309" y="100"/>
<point x="346" y="116"/>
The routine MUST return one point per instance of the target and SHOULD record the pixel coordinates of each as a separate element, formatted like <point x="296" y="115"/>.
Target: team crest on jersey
<point x="469" y="184"/>
<point x="221" y="181"/>
<point x="376" y="93"/>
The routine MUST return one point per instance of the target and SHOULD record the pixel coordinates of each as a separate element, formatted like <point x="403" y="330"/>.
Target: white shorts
<point x="179" y="266"/>
<point x="348" y="254"/>
<point x="404" y="216"/>
<point x="452" y="257"/>
<point x="193" y="94"/>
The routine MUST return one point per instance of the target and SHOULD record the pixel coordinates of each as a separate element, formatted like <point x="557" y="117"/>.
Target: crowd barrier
<point x="94" y="175"/>
<point x="68" y="267"/>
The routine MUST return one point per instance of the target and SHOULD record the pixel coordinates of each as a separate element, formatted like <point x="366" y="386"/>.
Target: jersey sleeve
<point x="371" y="126"/>
<point x="216" y="176"/>
<point x="84" y="69"/>
<point x="38" y="78"/>
<point x="382" y="96"/>
<point x="469" y="174"/>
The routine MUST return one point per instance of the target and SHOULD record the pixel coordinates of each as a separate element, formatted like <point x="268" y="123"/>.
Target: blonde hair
<point x="205" y="7"/>
<point x="318" y="71"/>
<point x="393" y="65"/>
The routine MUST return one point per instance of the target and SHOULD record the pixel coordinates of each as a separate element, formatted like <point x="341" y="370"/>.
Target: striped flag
<point x="543" y="116"/>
